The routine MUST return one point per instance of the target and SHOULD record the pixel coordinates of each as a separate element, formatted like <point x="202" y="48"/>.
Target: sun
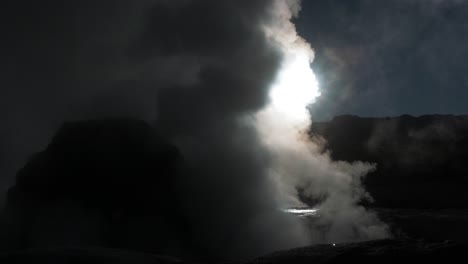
<point x="296" y="86"/>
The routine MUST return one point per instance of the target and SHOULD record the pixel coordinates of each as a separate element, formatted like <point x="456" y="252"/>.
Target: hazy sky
<point x="387" y="58"/>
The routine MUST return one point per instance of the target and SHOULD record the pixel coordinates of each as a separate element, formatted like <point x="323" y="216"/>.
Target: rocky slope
<point x="422" y="161"/>
<point x="381" y="251"/>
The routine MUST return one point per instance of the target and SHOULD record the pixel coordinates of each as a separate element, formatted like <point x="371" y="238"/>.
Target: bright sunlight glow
<point x="296" y="86"/>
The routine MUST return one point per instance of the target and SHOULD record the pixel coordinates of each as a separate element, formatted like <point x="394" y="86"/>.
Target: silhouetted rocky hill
<point x="99" y="183"/>
<point x="379" y="251"/>
<point x="422" y="162"/>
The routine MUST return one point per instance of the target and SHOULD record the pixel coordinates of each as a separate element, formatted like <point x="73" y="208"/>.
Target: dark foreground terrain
<point x="381" y="251"/>
<point x="429" y="225"/>
<point x="95" y="215"/>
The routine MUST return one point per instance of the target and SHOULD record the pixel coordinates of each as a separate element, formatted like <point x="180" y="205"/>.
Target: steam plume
<point x="297" y="161"/>
<point x="198" y="71"/>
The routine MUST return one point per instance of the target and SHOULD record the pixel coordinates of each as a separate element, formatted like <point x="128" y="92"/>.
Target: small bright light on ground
<point x="334" y="245"/>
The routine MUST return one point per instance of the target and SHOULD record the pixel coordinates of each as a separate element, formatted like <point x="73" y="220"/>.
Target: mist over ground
<point x="421" y="159"/>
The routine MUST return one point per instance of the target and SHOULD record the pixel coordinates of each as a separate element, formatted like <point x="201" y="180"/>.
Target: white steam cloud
<point x="297" y="161"/>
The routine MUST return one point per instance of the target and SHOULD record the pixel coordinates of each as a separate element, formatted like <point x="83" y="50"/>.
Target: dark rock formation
<point x="108" y="183"/>
<point x="379" y="251"/>
<point x="421" y="161"/>
<point x="84" y="256"/>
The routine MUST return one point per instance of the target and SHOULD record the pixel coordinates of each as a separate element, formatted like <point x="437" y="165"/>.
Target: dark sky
<point x="387" y="58"/>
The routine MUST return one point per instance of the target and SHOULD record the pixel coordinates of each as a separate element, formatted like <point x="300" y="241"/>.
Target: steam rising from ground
<point x="298" y="163"/>
<point x="194" y="70"/>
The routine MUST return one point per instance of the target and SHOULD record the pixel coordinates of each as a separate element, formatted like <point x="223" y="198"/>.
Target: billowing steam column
<point x="283" y="124"/>
<point x="296" y="85"/>
<point x="297" y="163"/>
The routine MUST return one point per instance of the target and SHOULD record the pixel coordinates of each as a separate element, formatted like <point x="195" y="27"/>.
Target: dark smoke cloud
<point x="191" y="68"/>
<point x="63" y="61"/>
<point x="71" y="61"/>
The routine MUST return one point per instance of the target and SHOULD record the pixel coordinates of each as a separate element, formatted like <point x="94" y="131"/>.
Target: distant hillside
<point x="422" y="161"/>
